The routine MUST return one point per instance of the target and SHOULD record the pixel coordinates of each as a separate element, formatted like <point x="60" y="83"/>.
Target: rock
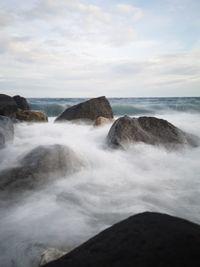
<point x="31" y="116"/>
<point x="88" y="110"/>
<point x="39" y="165"/>
<point x="8" y="106"/>
<point x="149" y="130"/>
<point x="51" y="254"/>
<point x="102" y="120"/>
<point x="6" y="130"/>
<point x="21" y="102"/>
<point x="146" y="239"/>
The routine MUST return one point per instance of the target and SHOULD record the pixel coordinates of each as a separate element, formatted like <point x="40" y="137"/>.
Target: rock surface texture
<point x="88" y="110"/>
<point x="8" y="106"/>
<point x="21" y="102"/>
<point x="6" y="130"/>
<point x="102" y="121"/>
<point x="149" y="130"/>
<point x="38" y="165"/>
<point x="143" y="240"/>
<point x="31" y="116"/>
<point x="51" y="254"/>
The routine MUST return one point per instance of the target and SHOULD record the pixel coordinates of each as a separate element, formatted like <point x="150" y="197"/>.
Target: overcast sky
<point x="74" y="48"/>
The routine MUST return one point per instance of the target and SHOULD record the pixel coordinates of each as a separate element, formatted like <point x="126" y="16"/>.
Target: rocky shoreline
<point x="147" y="239"/>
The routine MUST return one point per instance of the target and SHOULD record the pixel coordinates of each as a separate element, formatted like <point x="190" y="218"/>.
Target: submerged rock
<point x="39" y="165"/>
<point x="21" y="102"/>
<point x="146" y="239"/>
<point x="6" y="130"/>
<point x="8" y="106"/>
<point x="102" y="120"/>
<point x="51" y="254"/>
<point x="31" y="116"/>
<point x="88" y="110"/>
<point x="149" y="130"/>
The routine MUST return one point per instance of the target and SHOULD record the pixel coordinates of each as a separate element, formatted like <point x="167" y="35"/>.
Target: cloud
<point x="135" y="12"/>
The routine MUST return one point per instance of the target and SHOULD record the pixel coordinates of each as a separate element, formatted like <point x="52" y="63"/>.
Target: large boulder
<point x="6" y="130"/>
<point x="149" y="130"/>
<point x="21" y="102"/>
<point x="8" y="106"/>
<point x="146" y="239"/>
<point x="31" y="116"/>
<point x="88" y="110"/>
<point x="39" y="165"/>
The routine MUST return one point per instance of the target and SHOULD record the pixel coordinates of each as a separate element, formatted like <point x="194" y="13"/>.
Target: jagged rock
<point x="88" y="110"/>
<point x="51" y="254"/>
<point x="6" y="130"/>
<point x="149" y="130"/>
<point x="31" y="116"/>
<point x="102" y="120"/>
<point x="38" y="165"/>
<point x="146" y="239"/>
<point x="8" y="106"/>
<point x="21" y="102"/>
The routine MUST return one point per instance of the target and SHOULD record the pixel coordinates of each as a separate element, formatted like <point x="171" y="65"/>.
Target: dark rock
<point x="21" y="102"/>
<point x="149" y="130"/>
<point x="144" y="240"/>
<point x="31" y="116"/>
<point x="6" y="130"/>
<point x="88" y="110"/>
<point x="38" y="165"/>
<point x="8" y="106"/>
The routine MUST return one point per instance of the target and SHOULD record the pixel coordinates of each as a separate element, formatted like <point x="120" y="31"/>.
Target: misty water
<point x="110" y="186"/>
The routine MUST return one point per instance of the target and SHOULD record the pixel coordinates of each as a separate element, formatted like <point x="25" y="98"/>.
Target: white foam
<point x="113" y="185"/>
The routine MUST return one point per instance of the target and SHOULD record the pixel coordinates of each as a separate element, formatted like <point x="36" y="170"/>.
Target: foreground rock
<point x="31" y="116"/>
<point x="51" y="254"/>
<point x="21" y="102"/>
<point x="88" y="110"/>
<point x="6" y="130"/>
<point x="39" y="165"/>
<point x="147" y="239"/>
<point x="102" y="121"/>
<point x="8" y="106"/>
<point x="149" y="130"/>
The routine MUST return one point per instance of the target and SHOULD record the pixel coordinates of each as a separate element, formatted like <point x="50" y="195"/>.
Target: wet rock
<point x="102" y="120"/>
<point x="31" y="116"/>
<point x="6" y="130"/>
<point x="51" y="254"/>
<point x="88" y="110"/>
<point x="21" y="102"/>
<point x="40" y="165"/>
<point x="146" y="239"/>
<point x="8" y="106"/>
<point x="149" y="130"/>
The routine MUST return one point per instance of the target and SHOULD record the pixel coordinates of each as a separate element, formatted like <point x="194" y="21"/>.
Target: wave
<point x="52" y="110"/>
<point x="122" y="106"/>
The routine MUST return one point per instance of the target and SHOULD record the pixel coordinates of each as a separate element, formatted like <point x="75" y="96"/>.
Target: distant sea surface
<point x="122" y="106"/>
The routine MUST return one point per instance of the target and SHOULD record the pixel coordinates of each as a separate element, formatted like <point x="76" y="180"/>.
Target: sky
<point x="82" y="48"/>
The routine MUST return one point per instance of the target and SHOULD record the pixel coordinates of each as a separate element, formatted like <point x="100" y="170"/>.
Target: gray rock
<point x="88" y="110"/>
<point x="21" y="102"/>
<point x="6" y="130"/>
<point x="39" y="165"/>
<point x="8" y="106"/>
<point x="149" y="130"/>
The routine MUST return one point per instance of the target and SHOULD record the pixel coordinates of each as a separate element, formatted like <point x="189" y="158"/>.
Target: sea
<point x="111" y="185"/>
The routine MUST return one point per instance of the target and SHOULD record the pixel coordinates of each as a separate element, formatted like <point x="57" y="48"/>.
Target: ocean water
<point x="110" y="186"/>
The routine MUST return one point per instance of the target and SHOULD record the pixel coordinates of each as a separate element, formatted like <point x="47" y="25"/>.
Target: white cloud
<point x="135" y="12"/>
<point x="91" y="49"/>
